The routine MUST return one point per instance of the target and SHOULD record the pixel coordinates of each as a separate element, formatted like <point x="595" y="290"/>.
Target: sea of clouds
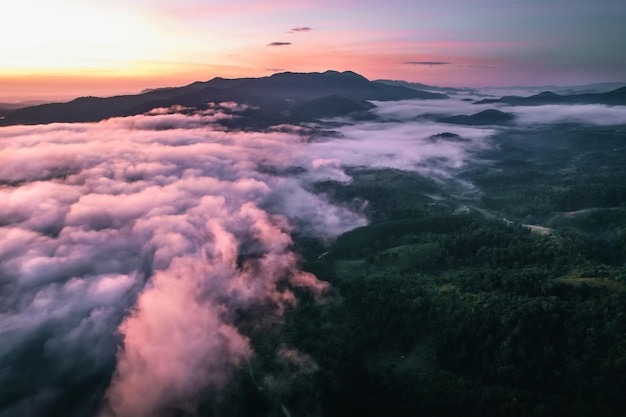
<point x="134" y="250"/>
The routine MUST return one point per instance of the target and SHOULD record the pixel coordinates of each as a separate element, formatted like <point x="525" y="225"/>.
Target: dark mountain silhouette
<point x="485" y="117"/>
<point x="447" y="137"/>
<point x="6" y="108"/>
<point x="329" y="106"/>
<point x="593" y="88"/>
<point x="612" y="98"/>
<point x="91" y="109"/>
<point x="277" y="98"/>
<point x="424" y="87"/>
<point x="302" y="87"/>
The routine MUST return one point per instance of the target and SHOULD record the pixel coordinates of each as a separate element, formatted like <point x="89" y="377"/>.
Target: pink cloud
<point x="170" y="354"/>
<point x="164" y="236"/>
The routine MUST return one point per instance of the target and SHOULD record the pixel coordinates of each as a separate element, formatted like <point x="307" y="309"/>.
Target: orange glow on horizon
<point x="317" y="53"/>
<point x="67" y="48"/>
<point x="63" y="87"/>
<point x="67" y="87"/>
<point x="79" y="48"/>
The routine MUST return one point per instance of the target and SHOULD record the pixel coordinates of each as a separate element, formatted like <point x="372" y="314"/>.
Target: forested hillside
<point x="504" y="300"/>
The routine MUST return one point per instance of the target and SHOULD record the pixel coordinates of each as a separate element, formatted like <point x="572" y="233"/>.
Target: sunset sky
<point x="64" y="48"/>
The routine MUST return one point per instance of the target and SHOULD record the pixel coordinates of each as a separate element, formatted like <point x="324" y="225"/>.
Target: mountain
<point x="424" y="87"/>
<point x="330" y="106"/>
<point x="572" y="89"/>
<point x="612" y="98"/>
<point x="276" y="98"/>
<point x="6" y="108"/>
<point x="485" y="117"/>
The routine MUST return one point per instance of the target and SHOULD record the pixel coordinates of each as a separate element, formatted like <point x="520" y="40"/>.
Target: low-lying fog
<point x="131" y="248"/>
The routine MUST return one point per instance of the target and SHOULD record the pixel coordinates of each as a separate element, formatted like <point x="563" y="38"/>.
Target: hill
<point x="330" y="106"/>
<point x="612" y="98"/>
<point x="485" y="117"/>
<point x="275" y="96"/>
<point x="424" y="87"/>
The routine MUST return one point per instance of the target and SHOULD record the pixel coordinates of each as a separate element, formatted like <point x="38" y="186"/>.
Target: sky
<point x="66" y="48"/>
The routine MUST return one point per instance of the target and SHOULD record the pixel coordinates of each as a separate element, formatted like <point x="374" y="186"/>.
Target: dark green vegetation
<point x="447" y="304"/>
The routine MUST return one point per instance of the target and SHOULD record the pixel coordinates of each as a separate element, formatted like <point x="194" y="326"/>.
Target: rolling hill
<point x="612" y="98"/>
<point x="276" y="98"/>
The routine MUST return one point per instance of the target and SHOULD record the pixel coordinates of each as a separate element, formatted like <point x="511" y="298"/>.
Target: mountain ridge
<point x="424" y="87"/>
<point x="483" y="118"/>
<point x="274" y="95"/>
<point x="612" y="98"/>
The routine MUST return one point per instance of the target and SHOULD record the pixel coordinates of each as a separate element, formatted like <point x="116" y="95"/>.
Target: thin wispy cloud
<point x="428" y="63"/>
<point x="300" y="29"/>
<point x="588" y="114"/>
<point x="279" y="44"/>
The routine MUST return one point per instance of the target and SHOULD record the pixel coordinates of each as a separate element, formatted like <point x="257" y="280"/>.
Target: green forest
<point x="503" y="299"/>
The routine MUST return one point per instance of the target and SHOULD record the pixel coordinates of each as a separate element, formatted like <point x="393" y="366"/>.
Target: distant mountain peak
<point x="273" y="96"/>
<point x="546" y="94"/>
<point x="485" y="117"/>
<point x="615" y="97"/>
<point x="353" y="74"/>
<point x="618" y="92"/>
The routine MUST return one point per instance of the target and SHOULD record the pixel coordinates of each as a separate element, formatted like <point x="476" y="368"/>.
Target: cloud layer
<point x="135" y="250"/>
